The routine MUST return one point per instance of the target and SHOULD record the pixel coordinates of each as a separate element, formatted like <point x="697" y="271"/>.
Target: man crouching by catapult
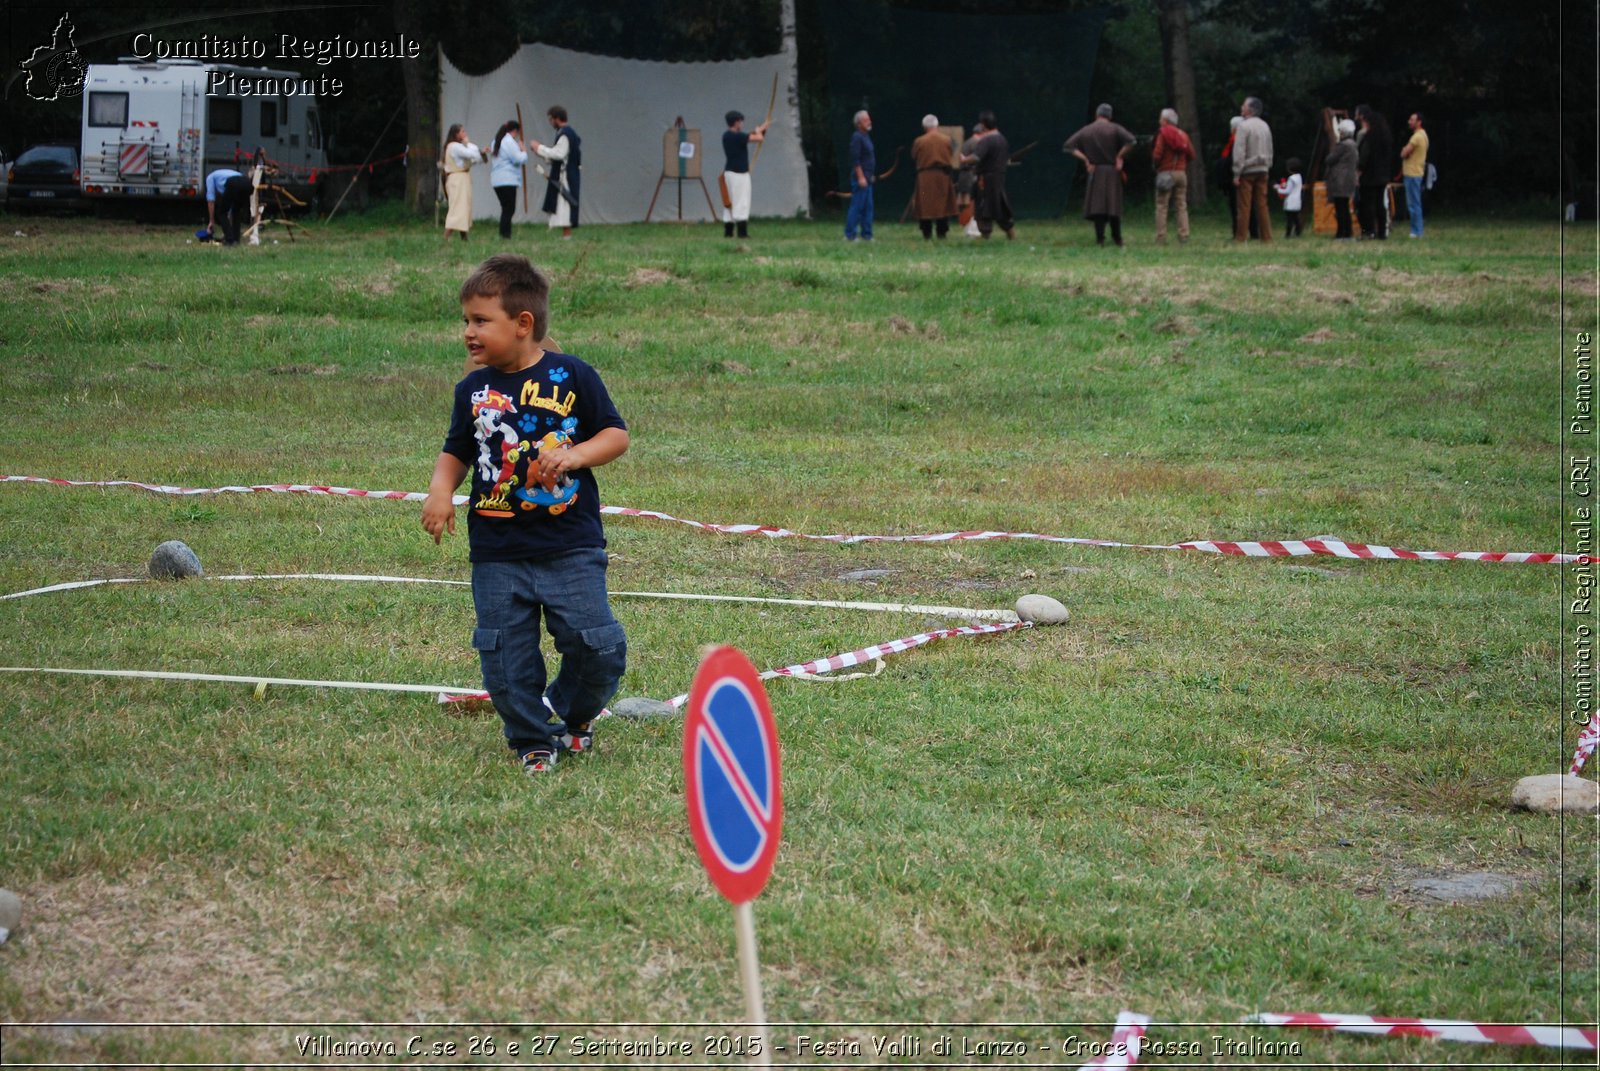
<point x="236" y="197"/>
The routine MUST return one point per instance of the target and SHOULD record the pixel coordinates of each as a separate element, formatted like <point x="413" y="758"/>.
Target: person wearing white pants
<point x="736" y="174"/>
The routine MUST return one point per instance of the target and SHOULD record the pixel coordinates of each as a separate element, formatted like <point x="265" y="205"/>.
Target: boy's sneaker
<point x="579" y="741"/>
<point x="538" y="762"/>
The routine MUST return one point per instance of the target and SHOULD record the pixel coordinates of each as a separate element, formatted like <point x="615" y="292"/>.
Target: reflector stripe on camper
<point x="134" y="160"/>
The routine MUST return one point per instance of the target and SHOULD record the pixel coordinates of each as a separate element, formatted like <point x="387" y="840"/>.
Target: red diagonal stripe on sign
<point x="746" y="792"/>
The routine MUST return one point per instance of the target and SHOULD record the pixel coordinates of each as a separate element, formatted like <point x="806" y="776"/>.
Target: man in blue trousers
<point x="863" y="173"/>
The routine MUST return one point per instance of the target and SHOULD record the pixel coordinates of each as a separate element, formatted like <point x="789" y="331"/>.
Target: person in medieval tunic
<point x="565" y="154"/>
<point x="1101" y="146"/>
<point x="990" y="156"/>
<point x="935" y="196"/>
<point x="457" y="159"/>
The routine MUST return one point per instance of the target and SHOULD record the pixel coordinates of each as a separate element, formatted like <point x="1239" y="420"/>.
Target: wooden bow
<point x="898" y="149"/>
<point x="771" y="103"/>
<point x="524" y="134"/>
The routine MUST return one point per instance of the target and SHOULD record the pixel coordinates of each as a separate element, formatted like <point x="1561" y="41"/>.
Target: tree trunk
<point x="422" y="106"/>
<point x="1173" y="18"/>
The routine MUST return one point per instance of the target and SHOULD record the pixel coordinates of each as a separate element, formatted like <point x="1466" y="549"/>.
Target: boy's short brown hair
<point x="518" y="284"/>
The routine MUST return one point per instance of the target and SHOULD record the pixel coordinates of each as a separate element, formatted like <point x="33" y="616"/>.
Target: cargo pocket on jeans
<point x="486" y="641"/>
<point x="609" y="647"/>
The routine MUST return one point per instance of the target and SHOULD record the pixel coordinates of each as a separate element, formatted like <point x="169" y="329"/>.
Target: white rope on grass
<point x="889" y="607"/>
<point x="229" y="678"/>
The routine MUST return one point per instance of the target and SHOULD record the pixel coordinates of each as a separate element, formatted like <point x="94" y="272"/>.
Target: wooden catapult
<point x="282" y="201"/>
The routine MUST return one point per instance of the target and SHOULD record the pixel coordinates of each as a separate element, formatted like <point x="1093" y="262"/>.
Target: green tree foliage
<point x="682" y="30"/>
<point x="1485" y="73"/>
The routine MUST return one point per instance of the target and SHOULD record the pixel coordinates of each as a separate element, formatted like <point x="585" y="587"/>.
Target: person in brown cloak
<point x="1101" y="146"/>
<point x="935" y="198"/>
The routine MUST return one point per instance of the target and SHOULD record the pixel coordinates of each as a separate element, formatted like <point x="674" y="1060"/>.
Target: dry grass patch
<point x="159" y="946"/>
<point x="649" y="277"/>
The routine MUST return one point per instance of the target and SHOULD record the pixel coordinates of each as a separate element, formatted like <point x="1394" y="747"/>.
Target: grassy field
<point x="1212" y="793"/>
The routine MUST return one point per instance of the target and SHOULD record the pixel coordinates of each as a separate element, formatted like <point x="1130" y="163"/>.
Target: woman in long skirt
<point x="457" y="159"/>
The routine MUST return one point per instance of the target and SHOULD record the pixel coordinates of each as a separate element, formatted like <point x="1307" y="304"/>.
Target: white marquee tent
<point x="621" y="108"/>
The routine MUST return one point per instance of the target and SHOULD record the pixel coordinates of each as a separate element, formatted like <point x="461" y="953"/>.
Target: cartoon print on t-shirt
<point x="506" y="458"/>
<point x="557" y="495"/>
<point x="490" y="410"/>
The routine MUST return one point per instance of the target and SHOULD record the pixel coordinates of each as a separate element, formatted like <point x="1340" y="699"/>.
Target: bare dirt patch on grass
<point x="304" y="370"/>
<point x="649" y="277"/>
<point x="153" y="947"/>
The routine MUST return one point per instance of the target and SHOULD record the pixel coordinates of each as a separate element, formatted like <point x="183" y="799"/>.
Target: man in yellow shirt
<point x="1413" y="166"/>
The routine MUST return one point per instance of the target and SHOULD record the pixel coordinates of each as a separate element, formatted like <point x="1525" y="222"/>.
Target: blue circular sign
<point x="731" y="774"/>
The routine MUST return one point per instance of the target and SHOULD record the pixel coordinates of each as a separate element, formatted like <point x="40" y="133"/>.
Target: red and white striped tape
<point x="1558" y="1037"/>
<point x="1586" y="744"/>
<point x="872" y="654"/>
<point x="1127" y="1040"/>
<point x="832" y="662"/>
<point x="1266" y="548"/>
<point x="285" y="488"/>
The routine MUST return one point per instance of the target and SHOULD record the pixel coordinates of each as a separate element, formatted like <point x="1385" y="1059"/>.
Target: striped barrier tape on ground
<point x="1127" y="1040"/>
<point x="829" y="664"/>
<point x="1586" y="744"/>
<point x="874" y="653"/>
<point x="1265" y="548"/>
<point x="282" y="488"/>
<point x="1558" y="1037"/>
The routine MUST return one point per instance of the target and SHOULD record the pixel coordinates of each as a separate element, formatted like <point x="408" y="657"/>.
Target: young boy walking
<point x="530" y="426"/>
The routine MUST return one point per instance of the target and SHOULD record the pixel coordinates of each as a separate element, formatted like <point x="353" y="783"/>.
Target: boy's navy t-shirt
<point x="498" y="425"/>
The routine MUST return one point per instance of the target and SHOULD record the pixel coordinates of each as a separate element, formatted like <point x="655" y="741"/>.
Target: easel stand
<point x="680" y="182"/>
<point x="680" y="161"/>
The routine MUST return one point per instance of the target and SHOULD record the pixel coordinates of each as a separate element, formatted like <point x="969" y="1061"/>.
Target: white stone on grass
<point x="1041" y="610"/>
<point x="641" y="707"/>
<point x="1557" y="794"/>
<point x="1465" y="888"/>
<point x="173" y="560"/>
<point x="10" y="914"/>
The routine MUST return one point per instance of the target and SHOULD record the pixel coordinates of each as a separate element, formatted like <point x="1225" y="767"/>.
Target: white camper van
<point x="152" y="131"/>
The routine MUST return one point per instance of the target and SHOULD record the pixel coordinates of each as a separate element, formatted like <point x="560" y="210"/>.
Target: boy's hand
<point x="554" y="465"/>
<point x="439" y="516"/>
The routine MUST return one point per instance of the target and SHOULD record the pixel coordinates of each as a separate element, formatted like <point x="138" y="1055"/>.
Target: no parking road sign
<point x="731" y="775"/>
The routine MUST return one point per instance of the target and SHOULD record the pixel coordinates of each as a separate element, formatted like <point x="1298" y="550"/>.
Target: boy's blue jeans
<point x="570" y="590"/>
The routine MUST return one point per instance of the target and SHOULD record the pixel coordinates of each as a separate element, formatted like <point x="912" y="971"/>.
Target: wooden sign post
<point x="735" y="800"/>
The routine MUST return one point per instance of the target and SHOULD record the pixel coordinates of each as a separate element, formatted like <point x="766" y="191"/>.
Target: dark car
<point x="45" y="176"/>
